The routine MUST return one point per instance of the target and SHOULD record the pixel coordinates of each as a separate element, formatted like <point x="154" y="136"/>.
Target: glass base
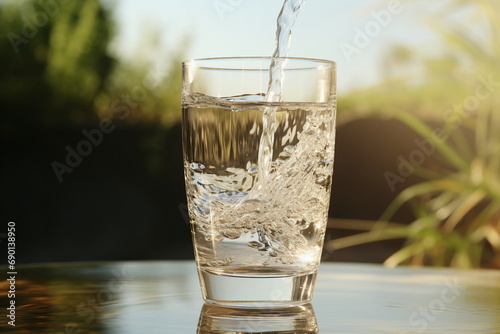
<point x="238" y="291"/>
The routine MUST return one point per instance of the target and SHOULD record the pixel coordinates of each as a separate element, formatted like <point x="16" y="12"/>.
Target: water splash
<point x="284" y="25"/>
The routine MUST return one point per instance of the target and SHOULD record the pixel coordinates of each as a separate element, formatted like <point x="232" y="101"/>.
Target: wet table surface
<point x="164" y="297"/>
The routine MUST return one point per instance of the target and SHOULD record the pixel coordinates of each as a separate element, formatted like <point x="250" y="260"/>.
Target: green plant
<point x="457" y="208"/>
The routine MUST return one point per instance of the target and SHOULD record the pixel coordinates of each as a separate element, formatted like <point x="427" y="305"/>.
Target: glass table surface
<point x="164" y="297"/>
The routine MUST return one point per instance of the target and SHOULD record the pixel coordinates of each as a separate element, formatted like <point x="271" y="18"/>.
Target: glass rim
<point x="331" y="63"/>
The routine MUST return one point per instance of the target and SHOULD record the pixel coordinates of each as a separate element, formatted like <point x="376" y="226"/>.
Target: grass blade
<point x="469" y="202"/>
<point x="426" y="132"/>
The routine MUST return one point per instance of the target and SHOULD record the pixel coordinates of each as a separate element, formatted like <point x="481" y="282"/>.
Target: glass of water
<point x="258" y="139"/>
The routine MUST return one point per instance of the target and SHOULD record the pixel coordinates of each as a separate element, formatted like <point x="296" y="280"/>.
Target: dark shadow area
<point x="110" y="207"/>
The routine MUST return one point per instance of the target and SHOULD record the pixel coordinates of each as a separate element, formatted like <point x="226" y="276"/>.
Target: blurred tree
<point x="150" y="85"/>
<point x="55" y="61"/>
<point x="149" y="92"/>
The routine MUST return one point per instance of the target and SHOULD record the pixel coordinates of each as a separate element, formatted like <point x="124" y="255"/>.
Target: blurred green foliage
<point x="58" y="69"/>
<point x="457" y="208"/>
<point x="430" y="82"/>
<point x="152" y="92"/>
<point x="55" y="61"/>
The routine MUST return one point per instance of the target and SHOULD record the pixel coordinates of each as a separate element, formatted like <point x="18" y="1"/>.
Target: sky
<point x="357" y="34"/>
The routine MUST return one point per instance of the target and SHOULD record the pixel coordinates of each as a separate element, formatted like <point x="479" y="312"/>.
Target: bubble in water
<point x="255" y="244"/>
<point x="290" y="149"/>
<point x="254" y="128"/>
<point x="302" y="224"/>
<point x="253" y="170"/>
<point x="231" y="233"/>
<point x="221" y="263"/>
<point x="323" y="180"/>
<point x="327" y="161"/>
<point x="265" y="242"/>
<point x="197" y="167"/>
<point x="250" y="206"/>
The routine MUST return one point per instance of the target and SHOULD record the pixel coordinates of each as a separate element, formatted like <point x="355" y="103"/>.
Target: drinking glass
<point x="258" y="163"/>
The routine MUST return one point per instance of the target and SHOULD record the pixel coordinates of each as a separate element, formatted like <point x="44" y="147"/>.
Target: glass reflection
<point x="292" y="320"/>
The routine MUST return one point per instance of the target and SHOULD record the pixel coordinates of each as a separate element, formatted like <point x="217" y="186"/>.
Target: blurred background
<point x="90" y="110"/>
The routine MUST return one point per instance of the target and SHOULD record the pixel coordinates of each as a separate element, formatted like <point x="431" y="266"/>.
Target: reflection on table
<point x="297" y="319"/>
<point x="164" y="297"/>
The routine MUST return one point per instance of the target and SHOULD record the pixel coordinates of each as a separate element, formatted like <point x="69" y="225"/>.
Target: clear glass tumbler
<point x="258" y="170"/>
